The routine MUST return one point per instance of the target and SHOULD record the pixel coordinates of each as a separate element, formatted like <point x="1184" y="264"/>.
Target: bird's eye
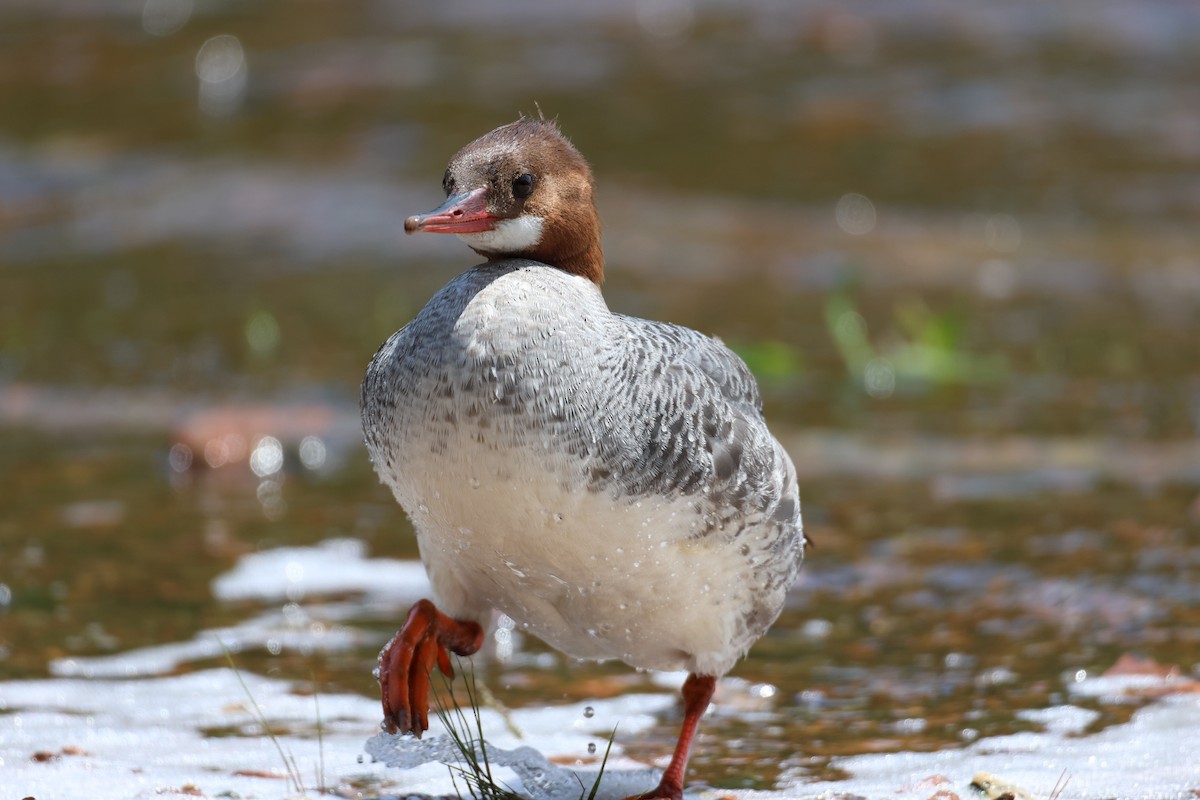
<point x="448" y="182"/>
<point x="522" y="186"/>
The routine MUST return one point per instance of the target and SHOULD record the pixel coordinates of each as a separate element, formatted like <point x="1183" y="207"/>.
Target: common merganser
<point x="608" y="482"/>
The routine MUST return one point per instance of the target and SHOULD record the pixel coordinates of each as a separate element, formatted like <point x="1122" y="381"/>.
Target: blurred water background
<point x="959" y="242"/>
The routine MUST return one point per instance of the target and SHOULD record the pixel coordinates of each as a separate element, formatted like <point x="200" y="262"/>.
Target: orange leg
<point x="697" y="691"/>
<point x="406" y="664"/>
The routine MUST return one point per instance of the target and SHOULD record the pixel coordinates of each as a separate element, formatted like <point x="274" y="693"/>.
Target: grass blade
<point x="289" y="764"/>
<point x="603" y="764"/>
<point x="468" y="737"/>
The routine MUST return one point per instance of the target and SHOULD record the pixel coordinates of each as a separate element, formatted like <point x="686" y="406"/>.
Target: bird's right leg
<point x="407" y="661"/>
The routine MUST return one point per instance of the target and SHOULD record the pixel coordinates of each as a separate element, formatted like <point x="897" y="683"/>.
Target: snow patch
<point x="336" y="566"/>
<point x="1152" y="757"/>
<point x="143" y="738"/>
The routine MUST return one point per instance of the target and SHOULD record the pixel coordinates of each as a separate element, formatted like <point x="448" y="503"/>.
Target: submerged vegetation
<point x="921" y="348"/>
<point x="926" y="348"/>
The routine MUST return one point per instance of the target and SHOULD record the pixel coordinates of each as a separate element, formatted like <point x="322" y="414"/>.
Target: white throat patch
<point x="509" y="236"/>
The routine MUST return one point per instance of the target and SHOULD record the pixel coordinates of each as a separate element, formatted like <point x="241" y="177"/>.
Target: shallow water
<point x="958" y="247"/>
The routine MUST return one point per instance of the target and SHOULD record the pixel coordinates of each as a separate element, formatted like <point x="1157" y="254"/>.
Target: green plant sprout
<point x="289" y="761"/>
<point x="465" y="728"/>
<point x="291" y="768"/>
<point x="931" y="349"/>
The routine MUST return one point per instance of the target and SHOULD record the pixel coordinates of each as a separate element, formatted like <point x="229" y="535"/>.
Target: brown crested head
<point x="521" y="191"/>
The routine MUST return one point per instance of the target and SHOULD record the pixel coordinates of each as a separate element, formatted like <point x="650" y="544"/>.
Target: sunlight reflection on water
<point x="164" y="17"/>
<point x="221" y="68"/>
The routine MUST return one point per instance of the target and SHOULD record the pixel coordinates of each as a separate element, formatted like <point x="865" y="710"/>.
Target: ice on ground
<point x="200" y="733"/>
<point x="289" y="574"/>
<point x="1115" y="689"/>
<point x="524" y="768"/>
<point x="532" y="773"/>
<point x="142" y="738"/>
<point x="1062" y="719"/>
<point x="1152" y="757"/>
<point x="336" y="566"/>
<point x="303" y="629"/>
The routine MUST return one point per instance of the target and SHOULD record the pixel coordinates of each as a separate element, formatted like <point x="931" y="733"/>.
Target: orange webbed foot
<point x="406" y="664"/>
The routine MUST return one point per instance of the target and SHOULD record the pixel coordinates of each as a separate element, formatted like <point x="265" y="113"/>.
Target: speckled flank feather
<point x="606" y="481"/>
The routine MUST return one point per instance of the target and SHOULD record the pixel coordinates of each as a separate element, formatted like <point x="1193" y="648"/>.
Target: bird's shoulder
<point x="689" y="350"/>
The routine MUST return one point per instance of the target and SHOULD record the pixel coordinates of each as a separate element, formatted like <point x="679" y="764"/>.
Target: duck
<point x="607" y="482"/>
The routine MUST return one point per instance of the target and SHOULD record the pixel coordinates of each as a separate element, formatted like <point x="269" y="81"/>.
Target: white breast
<point x="594" y="575"/>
